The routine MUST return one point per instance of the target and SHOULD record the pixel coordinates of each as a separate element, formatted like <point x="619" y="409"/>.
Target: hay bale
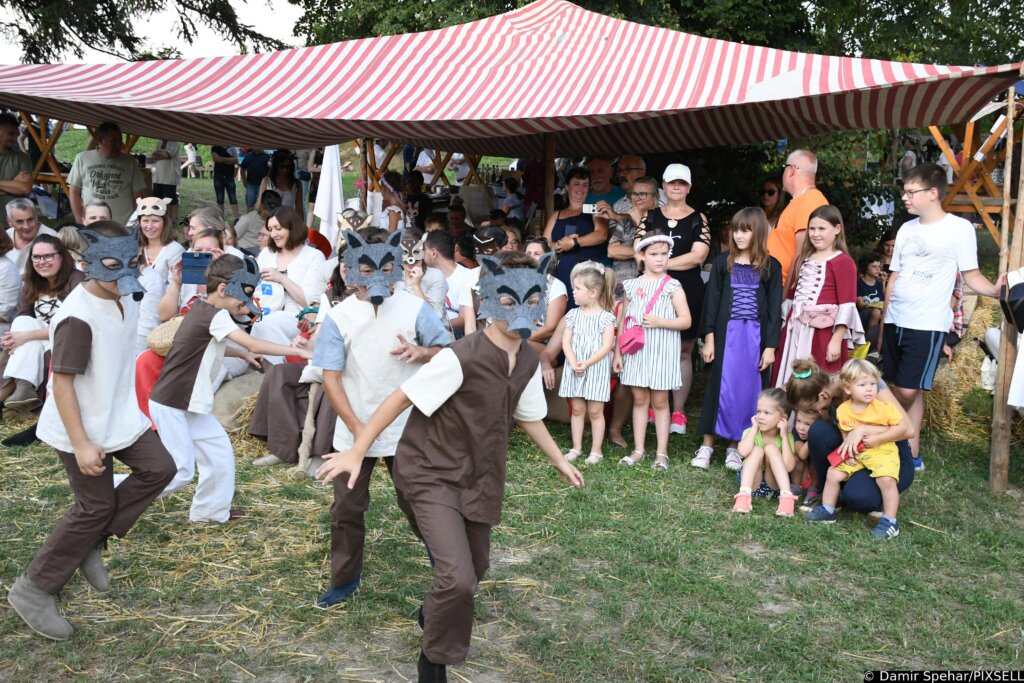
<point x="232" y="397"/>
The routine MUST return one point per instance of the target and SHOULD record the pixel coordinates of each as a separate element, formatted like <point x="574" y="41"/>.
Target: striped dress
<point x="656" y="365"/>
<point x="587" y="331"/>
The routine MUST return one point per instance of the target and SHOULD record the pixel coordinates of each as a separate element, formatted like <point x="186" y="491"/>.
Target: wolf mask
<point x="242" y="286"/>
<point x="521" y="286"/>
<point x="378" y="283"/>
<point x="113" y="259"/>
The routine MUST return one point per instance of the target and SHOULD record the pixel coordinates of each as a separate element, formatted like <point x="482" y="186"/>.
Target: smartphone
<point x="590" y="208"/>
<point x="193" y="268"/>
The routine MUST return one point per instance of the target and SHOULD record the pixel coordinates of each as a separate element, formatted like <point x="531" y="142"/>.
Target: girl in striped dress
<point x="652" y="371"/>
<point x="587" y="342"/>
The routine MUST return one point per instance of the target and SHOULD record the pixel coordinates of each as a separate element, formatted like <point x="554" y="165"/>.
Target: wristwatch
<point x="576" y="241"/>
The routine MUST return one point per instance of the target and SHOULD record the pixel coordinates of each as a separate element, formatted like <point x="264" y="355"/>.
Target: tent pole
<point x="1002" y="415"/>
<point x="549" y="175"/>
<point x="363" y="171"/>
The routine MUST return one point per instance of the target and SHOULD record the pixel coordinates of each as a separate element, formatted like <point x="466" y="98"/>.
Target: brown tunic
<point x="457" y="456"/>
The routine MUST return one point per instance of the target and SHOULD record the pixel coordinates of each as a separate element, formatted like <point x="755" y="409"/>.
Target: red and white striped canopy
<point x="495" y="86"/>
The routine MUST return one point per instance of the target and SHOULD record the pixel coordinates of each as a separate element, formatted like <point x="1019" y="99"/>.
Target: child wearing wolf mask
<point x="450" y="465"/>
<point x="91" y="415"/>
<point x="367" y="346"/>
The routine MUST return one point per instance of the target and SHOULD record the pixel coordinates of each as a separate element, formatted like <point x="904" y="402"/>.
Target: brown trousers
<point x="100" y="510"/>
<point x="280" y="413"/>
<point x="461" y="550"/>
<point x="348" y="525"/>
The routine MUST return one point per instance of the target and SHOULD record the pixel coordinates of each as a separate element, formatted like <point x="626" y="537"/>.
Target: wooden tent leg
<point x="364" y="161"/>
<point x="1002" y="414"/>
<point x="46" y="144"/>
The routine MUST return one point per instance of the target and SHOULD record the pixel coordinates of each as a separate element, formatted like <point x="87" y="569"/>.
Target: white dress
<point x="656" y="365"/>
<point x="154" y="278"/>
<point x="384" y="218"/>
<point x="587" y="335"/>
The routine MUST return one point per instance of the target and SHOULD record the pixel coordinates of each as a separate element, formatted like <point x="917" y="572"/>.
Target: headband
<point x="802" y="375"/>
<point x="653" y="239"/>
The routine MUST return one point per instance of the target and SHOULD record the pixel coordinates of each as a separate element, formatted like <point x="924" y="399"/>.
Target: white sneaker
<point x="733" y="461"/>
<point x="702" y="457"/>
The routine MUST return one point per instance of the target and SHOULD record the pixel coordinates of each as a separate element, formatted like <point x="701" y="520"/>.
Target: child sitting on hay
<point x="450" y="464"/>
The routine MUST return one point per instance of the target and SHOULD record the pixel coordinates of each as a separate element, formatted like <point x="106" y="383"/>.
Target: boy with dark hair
<point x="870" y="289"/>
<point x="181" y="404"/>
<point x="247" y="229"/>
<point x="368" y="345"/>
<point x="930" y="250"/>
<point x="436" y="221"/>
<point x="439" y="252"/>
<point x="91" y="413"/>
<point x="450" y="464"/>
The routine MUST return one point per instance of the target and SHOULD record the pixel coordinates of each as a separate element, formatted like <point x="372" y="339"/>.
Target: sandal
<point x="572" y="454"/>
<point x="621" y="443"/>
<point x="660" y="462"/>
<point x="634" y="458"/>
<point x="594" y="458"/>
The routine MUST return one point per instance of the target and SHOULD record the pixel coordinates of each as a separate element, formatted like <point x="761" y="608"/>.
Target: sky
<point x="275" y="20"/>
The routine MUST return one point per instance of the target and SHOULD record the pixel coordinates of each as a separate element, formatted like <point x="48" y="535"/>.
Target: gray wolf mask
<point x="113" y="259"/>
<point x="521" y="286"/>
<point x="378" y="284"/>
<point x="242" y="286"/>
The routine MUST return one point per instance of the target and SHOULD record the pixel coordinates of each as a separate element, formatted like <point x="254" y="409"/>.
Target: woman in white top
<point x="159" y="251"/>
<point x="281" y="179"/>
<point x="292" y="277"/>
<point x="558" y="299"/>
<point x="392" y="214"/>
<point x="10" y="284"/>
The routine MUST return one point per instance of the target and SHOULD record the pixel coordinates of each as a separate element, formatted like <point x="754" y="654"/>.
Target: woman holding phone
<point x="574" y="235"/>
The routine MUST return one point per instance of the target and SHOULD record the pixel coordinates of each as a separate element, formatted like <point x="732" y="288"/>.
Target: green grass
<point x="637" y="577"/>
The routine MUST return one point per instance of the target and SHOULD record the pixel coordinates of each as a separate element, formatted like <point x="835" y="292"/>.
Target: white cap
<point x="677" y="172"/>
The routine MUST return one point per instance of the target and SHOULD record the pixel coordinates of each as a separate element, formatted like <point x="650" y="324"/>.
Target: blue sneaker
<point x="337" y="594"/>
<point x="820" y="514"/>
<point x="886" y="529"/>
<point x="918" y="465"/>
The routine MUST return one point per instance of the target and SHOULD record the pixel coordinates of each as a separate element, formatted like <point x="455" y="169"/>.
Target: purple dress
<point x="741" y="381"/>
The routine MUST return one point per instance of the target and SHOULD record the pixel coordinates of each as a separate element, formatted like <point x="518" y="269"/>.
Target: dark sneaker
<point x="337" y="594"/>
<point x="886" y="529"/>
<point x="811" y="501"/>
<point x="820" y="514"/>
<point x="429" y="672"/>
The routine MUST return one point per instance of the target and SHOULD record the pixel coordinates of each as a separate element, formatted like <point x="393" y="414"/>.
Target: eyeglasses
<point x="44" y="258"/>
<point x="793" y="166"/>
<point x="770" y="192"/>
<point x="640" y="195"/>
<point x="911" y="193"/>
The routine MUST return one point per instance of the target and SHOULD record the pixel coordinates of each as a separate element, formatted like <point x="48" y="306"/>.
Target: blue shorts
<point x="910" y="357"/>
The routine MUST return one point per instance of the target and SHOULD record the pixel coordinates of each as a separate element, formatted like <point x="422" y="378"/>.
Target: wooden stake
<point x="1002" y="416"/>
<point x="549" y="175"/>
<point x="364" y="163"/>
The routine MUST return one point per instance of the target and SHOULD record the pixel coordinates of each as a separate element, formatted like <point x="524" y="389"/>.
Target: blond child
<point x="860" y="381"/>
<point x="587" y="344"/>
<point x="767" y="440"/>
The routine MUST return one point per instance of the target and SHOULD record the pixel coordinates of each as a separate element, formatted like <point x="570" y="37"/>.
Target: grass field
<point x="637" y="577"/>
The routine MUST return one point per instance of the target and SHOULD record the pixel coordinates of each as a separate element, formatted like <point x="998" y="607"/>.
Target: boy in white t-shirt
<point x="439" y="252"/>
<point x="930" y="250"/>
<point x="91" y="413"/>
<point x="181" y="403"/>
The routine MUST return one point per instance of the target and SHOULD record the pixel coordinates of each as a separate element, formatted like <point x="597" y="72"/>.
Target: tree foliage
<point x="49" y="30"/>
<point x="964" y="32"/>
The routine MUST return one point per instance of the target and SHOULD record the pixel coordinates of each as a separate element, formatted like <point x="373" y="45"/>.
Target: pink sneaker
<point x="650" y="415"/>
<point x="678" y="425"/>
<point x="786" y="502"/>
<point x="742" y="503"/>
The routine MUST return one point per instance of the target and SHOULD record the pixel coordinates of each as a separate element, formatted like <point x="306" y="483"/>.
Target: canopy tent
<point x="496" y="86"/>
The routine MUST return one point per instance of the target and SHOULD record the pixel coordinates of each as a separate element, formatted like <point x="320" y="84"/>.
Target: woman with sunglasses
<point x="50" y="275"/>
<point x="281" y="179"/>
<point x="773" y="201"/>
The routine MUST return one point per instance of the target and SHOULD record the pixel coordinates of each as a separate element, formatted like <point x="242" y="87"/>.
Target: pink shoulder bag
<point x="632" y="338"/>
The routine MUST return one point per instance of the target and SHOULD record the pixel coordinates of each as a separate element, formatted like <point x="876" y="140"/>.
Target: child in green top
<point x="768" y="440"/>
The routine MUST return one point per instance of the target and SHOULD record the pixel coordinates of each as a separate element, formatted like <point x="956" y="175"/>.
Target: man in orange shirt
<point x="787" y="240"/>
